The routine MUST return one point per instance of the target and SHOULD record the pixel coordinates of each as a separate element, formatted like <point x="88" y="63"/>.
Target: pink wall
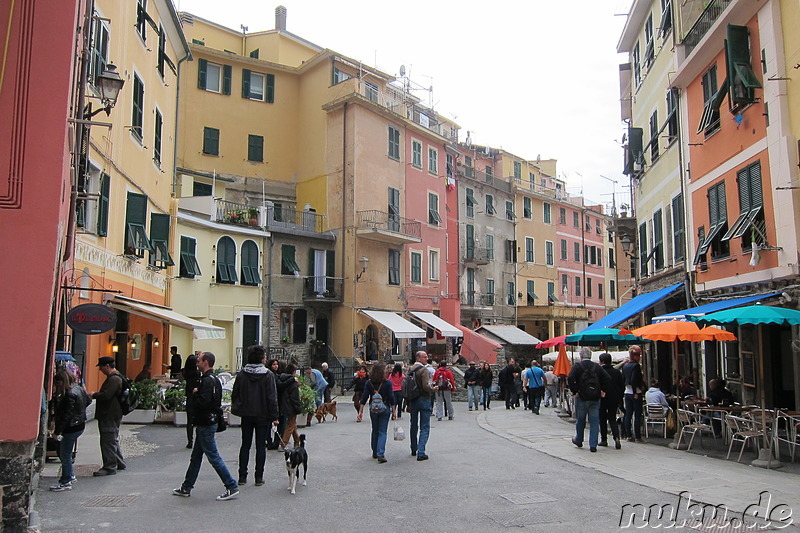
<point x="34" y="104"/>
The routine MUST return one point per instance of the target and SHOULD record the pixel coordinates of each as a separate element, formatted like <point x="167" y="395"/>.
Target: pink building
<point x="34" y="217"/>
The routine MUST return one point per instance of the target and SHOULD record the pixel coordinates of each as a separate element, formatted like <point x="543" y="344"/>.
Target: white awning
<point x="445" y="328"/>
<point x="168" y="316"/>
<point x="402" y="328"/>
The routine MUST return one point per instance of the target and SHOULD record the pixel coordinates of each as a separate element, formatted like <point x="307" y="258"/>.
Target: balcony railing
<point x="270" y="217"/>
<point x="381" y="221"/>
<point x="473" y="299"/>
<point x="478" y="255"/>
<point x="238" y="214"/>
<point x="704" y="22"/>
<point x="322" y="288"/>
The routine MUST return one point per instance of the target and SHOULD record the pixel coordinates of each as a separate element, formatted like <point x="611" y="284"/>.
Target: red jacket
<point x="447" y="374"/>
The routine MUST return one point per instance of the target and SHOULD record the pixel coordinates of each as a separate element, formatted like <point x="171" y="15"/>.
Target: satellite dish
<point x="402" y="70"/>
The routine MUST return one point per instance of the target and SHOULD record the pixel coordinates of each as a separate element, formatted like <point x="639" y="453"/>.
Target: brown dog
<point x="326" y="409"/>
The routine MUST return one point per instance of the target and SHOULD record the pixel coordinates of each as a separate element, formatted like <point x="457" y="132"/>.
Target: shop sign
<point x="91" y="319"/>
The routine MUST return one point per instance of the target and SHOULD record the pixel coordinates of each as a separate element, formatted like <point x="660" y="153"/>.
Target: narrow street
<point x="484" y="474"/>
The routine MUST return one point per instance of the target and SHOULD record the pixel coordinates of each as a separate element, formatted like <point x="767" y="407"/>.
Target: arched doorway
<point x="371" y="343"/>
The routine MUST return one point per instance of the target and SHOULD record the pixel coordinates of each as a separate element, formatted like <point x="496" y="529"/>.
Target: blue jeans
<point x="633" y="409"/>
<point x="320" y="395"/>
<point x="380" y="426"/>
<point x="65" y="448"/>
<point x="420" y="421"/>
<point x="474" y="395"/>
<point x="486" y="397"/>
<point x="261" y="427"/>
<point x="583" y="409"/>
<point x="535" y="398"/>
<point x="205" y="444"/>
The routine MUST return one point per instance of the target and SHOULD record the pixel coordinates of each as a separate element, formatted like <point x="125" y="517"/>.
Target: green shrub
<point x="308" y="397"/>
<point x="148" y="391"/>
<point x="175" y="397"/>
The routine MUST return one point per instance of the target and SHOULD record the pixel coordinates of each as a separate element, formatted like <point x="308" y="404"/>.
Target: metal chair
<point x="785" y="430"/>
<point x="656" y="415"/>
<point x="742" y="430"/>
<point x="690" y="425"/>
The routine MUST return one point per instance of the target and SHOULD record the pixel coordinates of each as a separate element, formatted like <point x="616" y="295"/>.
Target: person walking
<point x="551" y="388"/>
<point x="472" y="382"/>
<point x="445" y="385"/>
<point x="588" y="383"/>
<point x="508" y="390"/>
<point x="421" y="407"/>
<point x="357" y="386"/>
<point x="379" y="411"/>
<point x="192" y="378"/>
<point x="109" y="416"/>
<point x="396" y="377"/>
<point x="328" y="375"/>
<point x="318" y="383"/>
<point x="255" y="399"/>
<point x="634" y="392"/>
<point x="175" y="363"/>
<point x="207" y="398"/>
<point x="290" y="405"/>
<point x="276" y="367"/>
<point x="486" y="378"/>
<point x="610" y="402"/>
<point x="70" y="401"/>
<point x="533" y="380"/>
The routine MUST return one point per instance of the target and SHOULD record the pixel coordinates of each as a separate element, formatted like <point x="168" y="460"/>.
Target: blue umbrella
<point x="612" y="336"/>
<point x="64" y="356"/>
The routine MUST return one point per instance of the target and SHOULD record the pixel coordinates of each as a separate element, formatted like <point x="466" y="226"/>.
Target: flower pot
<point x="140" y="416"/>
<point x="181" y="418"/>
<point x="254" y="222"/>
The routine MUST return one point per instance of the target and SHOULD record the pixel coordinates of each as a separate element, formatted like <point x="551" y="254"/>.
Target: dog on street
<point x="294" y="459"/>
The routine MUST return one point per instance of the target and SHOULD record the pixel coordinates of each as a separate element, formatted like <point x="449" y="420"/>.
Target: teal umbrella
<point x="603" y="335"/>
<point x="752" y="314"/>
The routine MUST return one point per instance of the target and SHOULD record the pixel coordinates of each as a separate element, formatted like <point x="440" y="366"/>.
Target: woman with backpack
<point x="70" y="402"/>
<point x="378" y="395"/>
<point x="485" y="380"/>
<point x="396" y="377"/>
<point x="446" y="384"/>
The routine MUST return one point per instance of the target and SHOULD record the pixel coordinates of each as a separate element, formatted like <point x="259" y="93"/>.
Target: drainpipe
<point x="344" y="207"/>
<point x="269" y="288"/>
<point x="177" y="111"/>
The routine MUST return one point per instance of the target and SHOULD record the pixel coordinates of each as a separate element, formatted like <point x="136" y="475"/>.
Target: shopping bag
<point x="399" y="434"/>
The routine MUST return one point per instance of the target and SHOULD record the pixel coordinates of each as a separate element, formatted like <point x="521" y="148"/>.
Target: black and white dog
<point x="294" y="458"/>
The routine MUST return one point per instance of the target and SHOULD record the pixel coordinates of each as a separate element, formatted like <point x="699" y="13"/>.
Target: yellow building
<point x="125" y="230"/>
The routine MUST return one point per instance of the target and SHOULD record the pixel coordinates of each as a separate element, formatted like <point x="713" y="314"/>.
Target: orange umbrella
<point x="719" y="334"/>
<point x="562" y="366"/>
<point x="674" y="330"/>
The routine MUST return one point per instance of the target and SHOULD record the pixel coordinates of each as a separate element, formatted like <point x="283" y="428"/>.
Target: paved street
<point x="488" y="471"/>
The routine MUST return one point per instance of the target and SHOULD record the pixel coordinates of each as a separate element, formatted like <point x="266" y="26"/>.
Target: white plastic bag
<point x="399" y="434"/>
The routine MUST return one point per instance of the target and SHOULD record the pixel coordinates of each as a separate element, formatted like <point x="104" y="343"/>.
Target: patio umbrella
<point x="562" y="366"/>
<point x="756" y="315"/>
<point x="719" y="334"/>
<point x="555" y="341"/>
<point x="603" y="335"/>
<point x="674" y="331"/>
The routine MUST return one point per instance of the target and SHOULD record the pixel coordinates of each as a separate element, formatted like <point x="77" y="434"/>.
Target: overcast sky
<point x="534" y="77"/>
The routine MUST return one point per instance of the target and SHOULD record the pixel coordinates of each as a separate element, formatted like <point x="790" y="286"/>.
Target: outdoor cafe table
<point x="723" y="411"/>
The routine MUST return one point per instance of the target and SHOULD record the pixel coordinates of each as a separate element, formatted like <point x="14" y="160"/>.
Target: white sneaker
<point x="60" y="487"/>
<point x="228" y="495"/>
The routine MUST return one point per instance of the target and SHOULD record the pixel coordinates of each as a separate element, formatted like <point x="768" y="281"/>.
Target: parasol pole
<point x="765" y="459"/>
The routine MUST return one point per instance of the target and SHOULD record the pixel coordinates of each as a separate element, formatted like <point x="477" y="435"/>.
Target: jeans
<point x="65" y="448"/>
<point x="261" y="427"/>
<point x="400" y="402"/>
<point x="486" y="396"/>
<point x="380" y="425"/>
<point x="608" y="415"/>
<point x="109" y="444"/>
<point x="551" y="396"/>
<point x="633" y="409"/>
<point x="535" y="398"/>
<point x="189" y="416"/>
<point x="583" y="409"/>
<point x="205" y="444"/>
<point x="420" y="421"/>
<point x="474" y="396"/>
<point x="445" y="397"/>
<point x="320" y="394"/>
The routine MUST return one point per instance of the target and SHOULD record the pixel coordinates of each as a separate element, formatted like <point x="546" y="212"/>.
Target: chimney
<point x="280" y="18"/>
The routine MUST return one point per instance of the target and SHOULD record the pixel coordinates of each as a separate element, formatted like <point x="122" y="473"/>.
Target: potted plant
<point x="286" y="339"/>
<point x="175" y="401"/>
<point x="236" y="216"/>
<point x="252" y="213"/>
<point x="308" y="399"/>
<point x="149" y="393"/>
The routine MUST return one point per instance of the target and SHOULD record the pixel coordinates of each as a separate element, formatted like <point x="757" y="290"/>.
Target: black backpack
<point x="410" y="386"/>
<point x="589" y="383"/>
<point x="128" y="396"/>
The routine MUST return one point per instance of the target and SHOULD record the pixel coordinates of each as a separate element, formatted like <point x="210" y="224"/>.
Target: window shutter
<point x="227" y="73"/>
<point x="756" y="194"/>
<point x="743" y="181"/>
<point x="202" y="66"/>
<point x="254" y="54"/>
<point x="270" y="91"/>
<point x="136" y="209"/>
<point x="159" y="227"/>
<point x="245" y="83"/>
<point x="330" y="270"/>
<point x="102" y="211"/>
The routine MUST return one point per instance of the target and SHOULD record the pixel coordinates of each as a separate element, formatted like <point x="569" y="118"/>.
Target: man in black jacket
<point x="207" y="401"/>
<point x="472" y="377"/>
<point x="508" y="389"/>
<point x="634" y="392"/>
<point x="328" y="375"/>
<point x="109" y="416"/>
<point x="610" y="402"/>
<point x="255" y="399"/>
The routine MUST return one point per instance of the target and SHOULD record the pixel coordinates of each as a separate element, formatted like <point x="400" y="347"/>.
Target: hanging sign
<point x="91" y="319"/>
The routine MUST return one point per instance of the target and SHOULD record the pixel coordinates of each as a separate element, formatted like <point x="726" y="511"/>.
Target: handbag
<point x="222" y="424"/>
<point x="399" y="434"/>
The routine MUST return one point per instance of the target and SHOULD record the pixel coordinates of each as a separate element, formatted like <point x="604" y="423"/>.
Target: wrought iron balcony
<point x="473" y="299"/>
<point x="276" y="219"/>
<point x="704" y="22"/>
<point x="392" y="229"/>
<point x="322" y="289"/>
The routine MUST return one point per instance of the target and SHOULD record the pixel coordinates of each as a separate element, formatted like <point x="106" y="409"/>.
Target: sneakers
<point x="422" y="457"/>
<point x="229" y="494"/>
<point x="593" y="449"/>
<point x="259" y="482"/>
<point x="381" y="459"/>
<point x="577" y="443"/>
<point x="617" y="444"/>
<point x="242" y="481"/>
<point x="603" y="443"/>
<point x="449" y="417"/>
<point x="104" y="472"/>
<point x="60" y="487"/>
<point x="180" y="491"/>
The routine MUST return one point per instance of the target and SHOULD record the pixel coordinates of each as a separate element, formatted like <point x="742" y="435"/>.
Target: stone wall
<point x="16" y="484"/>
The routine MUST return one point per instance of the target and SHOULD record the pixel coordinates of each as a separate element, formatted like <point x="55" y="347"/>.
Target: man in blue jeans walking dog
<point x="588" y="382"/>
<point x="207" y="401"/>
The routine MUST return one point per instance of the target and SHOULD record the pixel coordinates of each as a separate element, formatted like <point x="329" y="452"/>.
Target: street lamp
<point x="626" y="242"/>
<point x="109" y="83"/>
<point x="364" y="262"/>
